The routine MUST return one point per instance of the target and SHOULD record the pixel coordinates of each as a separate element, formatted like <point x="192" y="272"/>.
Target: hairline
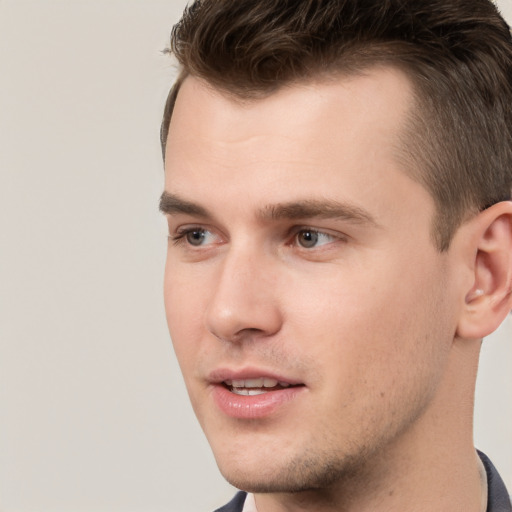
<point x="408" y="151"/>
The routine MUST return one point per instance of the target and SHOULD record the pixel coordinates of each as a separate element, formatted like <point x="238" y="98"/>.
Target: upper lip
<point x="221" y="375"/>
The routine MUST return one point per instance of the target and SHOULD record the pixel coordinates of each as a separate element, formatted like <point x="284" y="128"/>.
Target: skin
<point x="366" y="319"/>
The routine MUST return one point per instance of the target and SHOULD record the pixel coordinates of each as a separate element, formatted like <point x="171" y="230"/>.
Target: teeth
<point x="263" y="382"/>
<point x="247" y="392"/>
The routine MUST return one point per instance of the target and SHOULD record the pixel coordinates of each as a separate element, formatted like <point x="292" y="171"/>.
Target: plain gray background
<point x="93" y="412"/>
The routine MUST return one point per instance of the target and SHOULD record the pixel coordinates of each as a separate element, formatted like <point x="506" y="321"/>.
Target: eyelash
<point x="181" y="236"/>
<point x="315" y="233"/>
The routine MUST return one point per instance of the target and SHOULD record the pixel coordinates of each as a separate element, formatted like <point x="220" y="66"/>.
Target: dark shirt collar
<point x="498" y="499"/>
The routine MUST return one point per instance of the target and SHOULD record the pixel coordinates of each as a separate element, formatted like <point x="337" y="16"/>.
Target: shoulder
<point x="235" y="505"/>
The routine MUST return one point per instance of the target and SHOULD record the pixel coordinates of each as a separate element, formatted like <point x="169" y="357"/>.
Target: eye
<point x="309" y="238"/>
<point x="195" y="237"/>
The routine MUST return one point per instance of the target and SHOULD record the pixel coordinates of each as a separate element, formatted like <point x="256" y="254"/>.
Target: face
<point x="307" y="304"/>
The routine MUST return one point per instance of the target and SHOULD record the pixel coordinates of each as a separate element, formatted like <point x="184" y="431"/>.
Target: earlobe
<point x="489" y="300"/>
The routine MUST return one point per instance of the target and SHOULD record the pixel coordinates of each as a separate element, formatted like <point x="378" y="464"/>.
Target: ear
<point x="490" y="298"/>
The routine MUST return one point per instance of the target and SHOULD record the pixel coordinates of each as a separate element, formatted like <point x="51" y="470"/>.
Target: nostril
<point x="244" y="324"/>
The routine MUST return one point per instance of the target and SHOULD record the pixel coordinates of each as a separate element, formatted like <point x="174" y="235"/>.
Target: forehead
<point x="385" y="91"/>
<point x="337" y="136"/>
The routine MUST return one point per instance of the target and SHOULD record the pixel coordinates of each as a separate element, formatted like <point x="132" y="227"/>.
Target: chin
<point x="302" y="473"/>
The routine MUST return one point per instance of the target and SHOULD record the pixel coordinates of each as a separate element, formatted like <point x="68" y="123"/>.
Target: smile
<point x="253" y="387"/>
<point x="247" y="397"/>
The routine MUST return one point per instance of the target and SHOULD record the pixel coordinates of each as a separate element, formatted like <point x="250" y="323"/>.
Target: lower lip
<point x="255" y="406"/>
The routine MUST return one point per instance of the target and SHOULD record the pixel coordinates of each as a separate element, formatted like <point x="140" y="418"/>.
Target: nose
<point x="245" y="302"/>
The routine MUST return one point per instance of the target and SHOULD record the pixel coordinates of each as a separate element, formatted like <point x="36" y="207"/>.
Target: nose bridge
<point x="243" y="301"/>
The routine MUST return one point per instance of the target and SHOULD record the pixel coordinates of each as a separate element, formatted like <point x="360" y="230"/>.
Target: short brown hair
<point x="457" y="53"/>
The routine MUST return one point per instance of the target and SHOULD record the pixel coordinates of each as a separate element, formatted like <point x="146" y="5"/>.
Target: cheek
<point x="185" y="291"/>
<point x="374" y="327"/>
<point x="183" y="312"/>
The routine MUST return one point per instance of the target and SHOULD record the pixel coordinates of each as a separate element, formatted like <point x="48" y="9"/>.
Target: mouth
<point x="253" y="387"/>
<point x="250" y="394"/>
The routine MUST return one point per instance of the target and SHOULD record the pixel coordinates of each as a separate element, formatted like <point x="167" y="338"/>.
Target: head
<point x="337" y="179"/>
<point x="457" y="54"/>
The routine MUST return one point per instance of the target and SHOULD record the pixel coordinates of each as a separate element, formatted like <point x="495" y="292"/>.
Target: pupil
<point x="195" y="237"/>
<point x="308" y="238"/>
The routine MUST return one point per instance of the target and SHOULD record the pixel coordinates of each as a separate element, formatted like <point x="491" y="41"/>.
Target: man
<point x="338" y="183"/>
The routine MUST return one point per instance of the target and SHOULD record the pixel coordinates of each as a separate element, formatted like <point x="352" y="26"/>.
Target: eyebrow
<point x="171" y="204"/>
<point x="314" y="208"/>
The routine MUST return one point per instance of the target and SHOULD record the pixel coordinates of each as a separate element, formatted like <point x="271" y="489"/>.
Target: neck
<point x="440" y="486"/>
<point x="432" y="467"/>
